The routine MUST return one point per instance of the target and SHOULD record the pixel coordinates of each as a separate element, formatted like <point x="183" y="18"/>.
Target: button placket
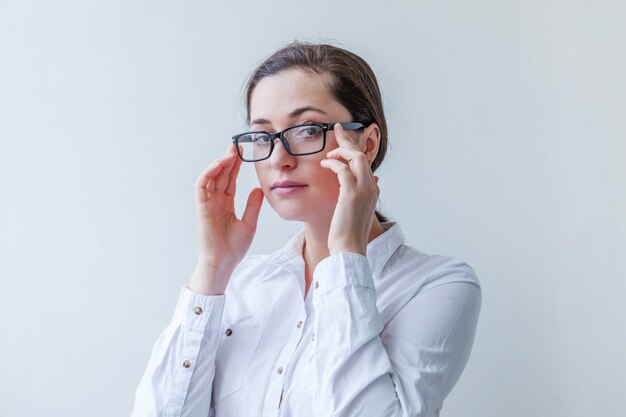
<point x="283" y="361"/>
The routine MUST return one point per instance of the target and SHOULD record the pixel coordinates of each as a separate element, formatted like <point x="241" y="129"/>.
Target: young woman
<point x="346" y="319"/>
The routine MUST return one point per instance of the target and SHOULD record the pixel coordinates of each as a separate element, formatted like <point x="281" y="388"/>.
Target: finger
<point x="232" y="181"/>
<point x="222" y="179"/>
<point x="206" y="181"/>
<point x="201" y="185"/>
<point x="346" y="153"/>
<point x="347" y="142"/>
<point x="343" y="138"/>
<point x="253" y="207"/>
<point x="356" y="160"/>
<point x="343" y="171"/>
<point x="211" y="170"/>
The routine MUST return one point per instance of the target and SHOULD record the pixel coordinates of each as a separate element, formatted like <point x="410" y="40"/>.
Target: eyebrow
<point x="297" y="112"/>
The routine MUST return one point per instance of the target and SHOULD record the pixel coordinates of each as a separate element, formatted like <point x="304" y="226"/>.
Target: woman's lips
<point x="288" y="190"/>
<point x="287" y="187"/>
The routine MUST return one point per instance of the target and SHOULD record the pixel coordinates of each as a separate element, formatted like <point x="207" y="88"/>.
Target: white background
<point x="508" y="147"/>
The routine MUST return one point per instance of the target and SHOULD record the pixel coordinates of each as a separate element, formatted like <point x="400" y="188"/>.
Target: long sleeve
<point x="404" y="371"/>
<point x="178" y="379"/>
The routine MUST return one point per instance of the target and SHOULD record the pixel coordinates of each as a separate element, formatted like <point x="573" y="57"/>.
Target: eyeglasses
<point x="298" y="140"/>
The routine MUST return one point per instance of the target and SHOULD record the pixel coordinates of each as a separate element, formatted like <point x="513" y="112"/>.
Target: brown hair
<point x="352" y="83"/>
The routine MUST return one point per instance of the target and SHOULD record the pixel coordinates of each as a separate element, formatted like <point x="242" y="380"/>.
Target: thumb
<point x="253" y="207"/>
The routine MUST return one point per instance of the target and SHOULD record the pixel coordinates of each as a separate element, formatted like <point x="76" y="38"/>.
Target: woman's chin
<point x="300" y="209"/>
<point x="292" y="215"/>
<point x="303" y="213"/>
<point x="291" y="210"/>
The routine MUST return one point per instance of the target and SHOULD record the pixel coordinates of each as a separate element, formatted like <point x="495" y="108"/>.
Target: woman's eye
<point x="262" y="140"/>
<point x="308" y="132"/>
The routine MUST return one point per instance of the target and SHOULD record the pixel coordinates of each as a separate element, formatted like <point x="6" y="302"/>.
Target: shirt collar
<point x="383" y="246"/>
<point x="378" y="250"/>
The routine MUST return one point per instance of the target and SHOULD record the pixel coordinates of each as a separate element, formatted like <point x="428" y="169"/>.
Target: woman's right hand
<point x="224" y="239"/>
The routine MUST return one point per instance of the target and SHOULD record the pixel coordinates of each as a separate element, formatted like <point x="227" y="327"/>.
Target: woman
<point x="386" y="330"/>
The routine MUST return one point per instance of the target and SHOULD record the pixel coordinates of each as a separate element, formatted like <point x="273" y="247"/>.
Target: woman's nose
<point x="280" y="158"/>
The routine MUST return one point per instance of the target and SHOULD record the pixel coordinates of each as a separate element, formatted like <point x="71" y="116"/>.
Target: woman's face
<point x="286" y="99"/>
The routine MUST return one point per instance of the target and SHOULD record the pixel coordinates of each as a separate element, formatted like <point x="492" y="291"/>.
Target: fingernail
<point x="338" y="126"/>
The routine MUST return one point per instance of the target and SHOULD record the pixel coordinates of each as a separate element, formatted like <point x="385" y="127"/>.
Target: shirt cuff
<point x="199" y="312"/>
<point x="340" y="270"/>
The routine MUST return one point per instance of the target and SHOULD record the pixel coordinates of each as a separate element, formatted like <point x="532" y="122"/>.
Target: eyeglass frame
<point x="325" y="127"/>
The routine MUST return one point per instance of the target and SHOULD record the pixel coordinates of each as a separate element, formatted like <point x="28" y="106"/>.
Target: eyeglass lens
<point x="301" y="140"/>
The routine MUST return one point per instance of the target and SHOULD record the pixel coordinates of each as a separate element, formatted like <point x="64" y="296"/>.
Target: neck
<point x="315" y="247"/>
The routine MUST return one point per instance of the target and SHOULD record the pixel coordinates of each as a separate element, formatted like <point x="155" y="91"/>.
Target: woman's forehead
<point x="283" y="96"/>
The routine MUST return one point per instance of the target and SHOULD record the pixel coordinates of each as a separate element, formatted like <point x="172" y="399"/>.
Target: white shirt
<point x="387" y="334"/>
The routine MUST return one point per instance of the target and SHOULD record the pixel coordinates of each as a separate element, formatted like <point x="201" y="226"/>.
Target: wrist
<point x="206" y="280"/>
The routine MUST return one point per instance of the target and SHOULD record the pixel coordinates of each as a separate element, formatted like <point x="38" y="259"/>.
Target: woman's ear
<point x="371" y="142"/>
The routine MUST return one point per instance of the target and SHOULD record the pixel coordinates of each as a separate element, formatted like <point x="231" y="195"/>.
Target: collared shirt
<point x="386" y="334"/>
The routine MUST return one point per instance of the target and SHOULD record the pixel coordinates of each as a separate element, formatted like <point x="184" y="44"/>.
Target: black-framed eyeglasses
<point x="298" y="140"/>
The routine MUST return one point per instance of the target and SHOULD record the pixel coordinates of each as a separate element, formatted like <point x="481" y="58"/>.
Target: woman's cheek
<point x="328" y="190"/>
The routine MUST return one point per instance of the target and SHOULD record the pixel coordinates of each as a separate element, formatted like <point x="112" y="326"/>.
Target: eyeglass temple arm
<point x="347" y="125"/>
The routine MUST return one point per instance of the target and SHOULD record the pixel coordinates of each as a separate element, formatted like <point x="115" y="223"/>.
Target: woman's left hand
<point x="358" y="193"/>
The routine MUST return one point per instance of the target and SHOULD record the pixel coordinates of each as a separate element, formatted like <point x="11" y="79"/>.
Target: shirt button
<point x="299" y="324"/>
<point x="197" y="310"/>
<point x="280" y="370"/>
<point x="317" y="284"/>
<point x="229" y="332"/>
<point x="186" y="364"/>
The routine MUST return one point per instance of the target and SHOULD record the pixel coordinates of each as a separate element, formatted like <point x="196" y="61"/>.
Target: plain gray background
<point x="507" y="130"/>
